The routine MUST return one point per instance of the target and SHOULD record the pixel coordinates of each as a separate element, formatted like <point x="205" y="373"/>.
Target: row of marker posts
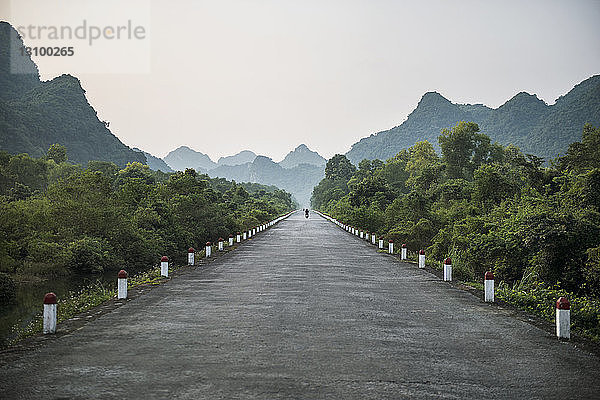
<point x="563" y="307"/>
<point x="50" y="299"/>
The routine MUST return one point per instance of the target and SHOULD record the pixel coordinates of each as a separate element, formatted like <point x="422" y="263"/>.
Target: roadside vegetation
<point x="62" y="219"/>
<point x="490" y="208"/>
<point x="83" y="300"/>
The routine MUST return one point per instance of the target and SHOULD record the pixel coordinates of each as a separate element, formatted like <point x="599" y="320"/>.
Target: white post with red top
<point x="448" y="269"/>
<point x="421" y="258"/>
<point x="208" y="249"/>
<point x="50" y="313"/>
<point x="191" y="256"/>
<point x="563" y="318"/>
<point x="403" y="253"/>
<point x="489" y="287"/>
<point x="220" y="244"/>
<point x="122" y="284"/>
<point x="164" y="266"/>
<point x="391" y="247"/>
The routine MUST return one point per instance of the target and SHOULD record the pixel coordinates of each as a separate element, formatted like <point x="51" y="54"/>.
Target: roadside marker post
<point x="122" y="284"/>
<point x="164" y="266"/>
<point x="489" y="287"/>
<point x="448" y="269"/>
<point x="50" y="313"/>
<point x="191" y="256"/>
<point x="563" y="318"/>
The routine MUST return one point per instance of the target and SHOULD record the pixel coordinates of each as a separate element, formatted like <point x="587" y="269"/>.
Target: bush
<point x="90" y="254"/>
<point x="8" y="289"/>
<point x="45" y="259"/>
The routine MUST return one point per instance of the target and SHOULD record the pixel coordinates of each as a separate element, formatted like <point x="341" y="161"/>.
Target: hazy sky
<point x="223" y="76"/>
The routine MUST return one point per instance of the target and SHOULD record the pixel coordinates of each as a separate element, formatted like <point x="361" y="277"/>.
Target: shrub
<point x="8" y="289"/>
<point x="90" y="254"/>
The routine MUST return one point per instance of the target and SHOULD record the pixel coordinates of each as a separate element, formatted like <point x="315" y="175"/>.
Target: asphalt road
<point x="304" y="310"/>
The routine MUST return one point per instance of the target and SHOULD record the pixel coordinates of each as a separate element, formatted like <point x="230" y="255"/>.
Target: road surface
<point x="304" y="310"/>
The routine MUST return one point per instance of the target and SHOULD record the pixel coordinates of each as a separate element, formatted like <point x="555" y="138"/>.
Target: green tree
<point x="57" y="152"/>
<point x="464" y="149"/>
<point x="582" y="156"/>
<point x="339" y="168"/>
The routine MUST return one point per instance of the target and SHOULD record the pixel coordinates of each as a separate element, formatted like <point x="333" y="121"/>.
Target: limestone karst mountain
<point x="36" y="114"/>
<point x="524" y="120"/>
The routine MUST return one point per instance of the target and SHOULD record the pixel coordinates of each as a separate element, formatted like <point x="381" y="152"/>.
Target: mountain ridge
<point x="524" y="120"/>
<point x="154" y="163"/>
<point x="297" y="173"/>
<point x="302" y="155"/>
<point x="35" y="114"/>
<point x="184" y="157"/>
<point x="242" y="157"/>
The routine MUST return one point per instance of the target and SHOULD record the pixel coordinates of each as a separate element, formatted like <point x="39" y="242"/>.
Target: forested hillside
<point x="523" y="121"/>
<point x="35" y="114"/>
<point x="59" y="219"/>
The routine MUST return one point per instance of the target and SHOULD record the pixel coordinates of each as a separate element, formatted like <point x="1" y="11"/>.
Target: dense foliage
<point x="489" y="207"/>
<point x="57" y="218"/>
<point x="524" y="121"/>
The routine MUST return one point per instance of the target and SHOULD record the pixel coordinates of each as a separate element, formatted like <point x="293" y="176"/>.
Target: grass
<point x="89" y="297"/>
<point x="540" y="299"/>
<point x="76" y="303"/>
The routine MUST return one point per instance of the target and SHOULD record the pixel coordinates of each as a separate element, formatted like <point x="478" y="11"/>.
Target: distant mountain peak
<point x="302" y="155"/>
<point x="524" y="96"/>
<point x="433" y="97"/>
<point x="525" y="103"/>
<point x="183" y="148"/>
<point x="184" y="157"/>
<point x="243" y="157"/>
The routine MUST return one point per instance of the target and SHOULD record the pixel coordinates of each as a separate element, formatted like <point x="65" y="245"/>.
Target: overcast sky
<point x="224" y="76"/>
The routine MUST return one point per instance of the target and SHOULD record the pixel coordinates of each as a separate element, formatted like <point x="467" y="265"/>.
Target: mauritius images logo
<point x="82" y="36"/>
